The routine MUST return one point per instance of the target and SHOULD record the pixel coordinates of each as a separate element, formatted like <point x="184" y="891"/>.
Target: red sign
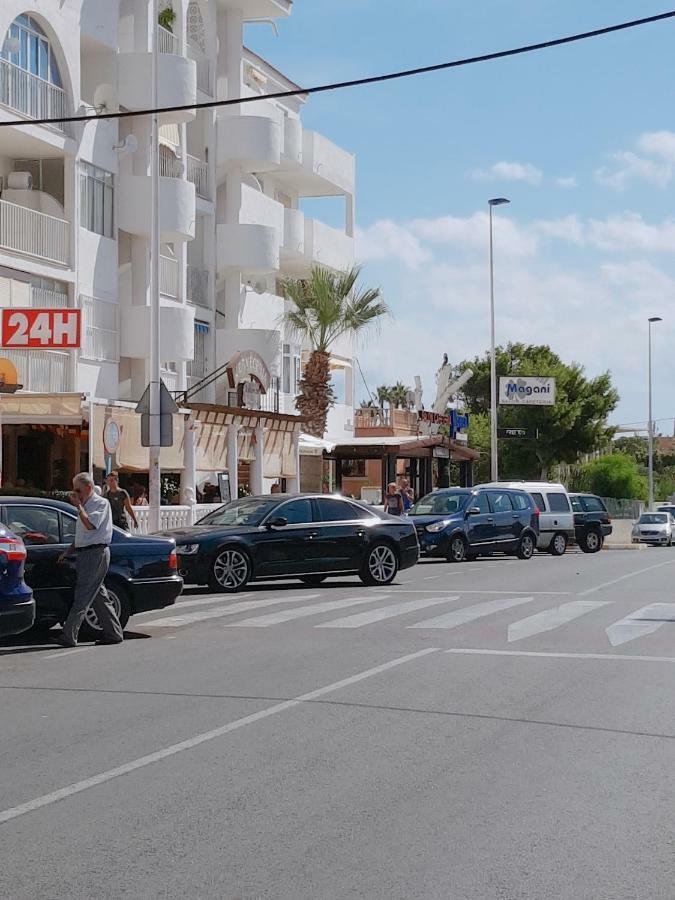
<point x="432" y="418"/>
<point x="41" y="328"/>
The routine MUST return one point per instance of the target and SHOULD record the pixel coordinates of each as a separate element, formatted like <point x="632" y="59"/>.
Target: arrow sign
<point x="167" y="409"/>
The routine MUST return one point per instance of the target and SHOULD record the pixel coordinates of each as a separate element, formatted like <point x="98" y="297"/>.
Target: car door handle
<point x="361" y="533"/>
<point x="516" y="516"/>
<point x="312" y="535"/>
<point x="489" y="519"/>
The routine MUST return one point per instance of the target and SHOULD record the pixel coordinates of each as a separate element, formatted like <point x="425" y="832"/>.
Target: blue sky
<point x="580" y="138"/>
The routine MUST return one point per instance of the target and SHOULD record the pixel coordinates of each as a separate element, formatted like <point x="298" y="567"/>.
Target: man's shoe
<point x="105" y="643"/>
<point x="63" y="642"/>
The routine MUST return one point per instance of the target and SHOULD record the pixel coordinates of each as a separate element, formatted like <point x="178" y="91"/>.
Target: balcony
<point x="46" y="298"/>
<point x="294" y="234"/>
<point x="198" y="174"/>
<point x="168" y="277"/>
<point x="384" y="422"/>
<point x="258" y="9"/>
<point x="251" y="249"/>
<point x="167" y="42"/>
<point x="100" y="329"/>
<point x="198" y="286"/>
<point x="176" y="84"/>
<point x="259" y="209"/>
<point x="33" y="233"/>
<point x="327" y="170"/>
<point x="31" y="95"/>
<point x="176" y="327"/>
<point x="42" y="371"/>
<point x="176" y="202"/>
<point x="249" y="143"/>
<point x="323" y="246"/>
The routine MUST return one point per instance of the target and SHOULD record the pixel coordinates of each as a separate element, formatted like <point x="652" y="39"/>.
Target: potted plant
<point x="166" y="18"/>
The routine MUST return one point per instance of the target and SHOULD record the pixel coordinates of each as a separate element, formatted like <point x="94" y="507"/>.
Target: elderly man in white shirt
<point x="93" y="534"/>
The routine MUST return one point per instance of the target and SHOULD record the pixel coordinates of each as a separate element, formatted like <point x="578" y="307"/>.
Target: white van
<point x="556" y="519"/>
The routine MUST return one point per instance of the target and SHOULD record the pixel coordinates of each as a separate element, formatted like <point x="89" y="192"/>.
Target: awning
<point x="169" y="136"/>
<point x="278" y="457"/>
<point x="41" y="409"/>
<point x="130" y="455"/>
<point x="201" y="328"/>
<point x="314" y="446"/>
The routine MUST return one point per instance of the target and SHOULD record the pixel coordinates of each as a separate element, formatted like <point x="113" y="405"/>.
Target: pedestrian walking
<point x="407" y="494"/>
<point x="120" y="503"/>
<point x="393" y="502"/>
<point x="93" y="534"/>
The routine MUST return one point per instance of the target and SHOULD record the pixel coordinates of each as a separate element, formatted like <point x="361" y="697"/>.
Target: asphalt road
<point x="499" y="729"/>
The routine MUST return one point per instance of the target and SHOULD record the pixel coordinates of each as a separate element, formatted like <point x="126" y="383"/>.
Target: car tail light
<point x="13" y="550"/>
<point x="536" y="512"/>
<point x="173" y="561"/>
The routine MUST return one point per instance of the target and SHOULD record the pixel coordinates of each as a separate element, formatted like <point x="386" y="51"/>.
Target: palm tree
<point x="399" y="395"/>
<point x="326" y="306"/>
<point x="383" y="394"/>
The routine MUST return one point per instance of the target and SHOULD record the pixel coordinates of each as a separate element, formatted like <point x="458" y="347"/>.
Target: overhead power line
<point x="357" y="82"/>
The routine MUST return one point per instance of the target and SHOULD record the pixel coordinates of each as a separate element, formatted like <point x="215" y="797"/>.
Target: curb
<point x="624" y="547"/>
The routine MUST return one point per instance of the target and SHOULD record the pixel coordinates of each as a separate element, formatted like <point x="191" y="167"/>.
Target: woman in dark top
<point x="393" y="502"/>
<point x="120" y="503"/>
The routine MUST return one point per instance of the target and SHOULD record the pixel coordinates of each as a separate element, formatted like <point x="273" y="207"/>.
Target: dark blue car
<point x="464" y="523"/>
<point x="17" y="607"/>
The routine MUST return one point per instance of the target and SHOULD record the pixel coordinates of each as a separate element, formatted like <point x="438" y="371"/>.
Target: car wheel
<point x="591" y="542"/>
<point x="380" y="566"/>
<point x="558" y="545"/>
<point x="231" y="571"/>
<point x="91" y="629"/>
<point x="313" y="579"/>
<point x="457" y="550"/>
<point x="526" y="547"/>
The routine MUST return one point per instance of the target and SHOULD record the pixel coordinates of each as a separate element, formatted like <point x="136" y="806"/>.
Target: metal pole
<point x="154" y="493"/>
<point x="494" y="454"/>
<point x="650" y="428"/>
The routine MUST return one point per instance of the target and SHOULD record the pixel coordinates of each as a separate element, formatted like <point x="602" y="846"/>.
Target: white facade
<point x="75" y="199"/>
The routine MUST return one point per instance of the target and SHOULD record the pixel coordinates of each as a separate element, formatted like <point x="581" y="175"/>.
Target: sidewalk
<point x="619" y="539"/>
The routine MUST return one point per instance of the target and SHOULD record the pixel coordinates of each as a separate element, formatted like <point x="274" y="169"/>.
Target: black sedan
<point x="142" y="576"/>
<point x="301" y="536"/>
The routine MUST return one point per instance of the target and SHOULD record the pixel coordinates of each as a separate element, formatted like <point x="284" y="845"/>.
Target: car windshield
<point x="439" y="504"/>
<point x="250" y="511"/>
<point x="653" y="518"/>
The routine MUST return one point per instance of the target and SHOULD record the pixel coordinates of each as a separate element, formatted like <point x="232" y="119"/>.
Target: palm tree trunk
<point x="316" y="394"/>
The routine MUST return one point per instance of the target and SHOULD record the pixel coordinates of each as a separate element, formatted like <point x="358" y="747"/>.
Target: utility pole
<point x="154" y="493"/>
<point x="494" y="444"/>
<point x="650" y="425"/>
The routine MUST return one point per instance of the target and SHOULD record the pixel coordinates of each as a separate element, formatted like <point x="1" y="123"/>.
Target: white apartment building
<point x="75" y="222"/>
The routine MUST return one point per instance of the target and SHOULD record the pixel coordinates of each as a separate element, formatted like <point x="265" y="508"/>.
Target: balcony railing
<point x="167" y="42"/>
<point x="198" y="286"/>
<point x="31" y="95"/>
<point x="42" y="371"/>
<point x="269" y="402"/>
<point x="34" y="233"/>
<point x="168" y="276"/>
<point x="45" y="298"/>
<point x="169" y="164"/>
<point x="100" y="329"/>
<point x="401" y="421"/>
<point x="198" y="174"/>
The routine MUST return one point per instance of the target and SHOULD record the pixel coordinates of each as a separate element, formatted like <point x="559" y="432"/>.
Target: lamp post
<point x="494" y="457"/>
<point x="650" y="423"/>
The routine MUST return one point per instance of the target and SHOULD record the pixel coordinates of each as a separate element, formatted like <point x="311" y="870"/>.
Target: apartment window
<point x="296" y="373"/>
<point x="96" y="199"/>
<point x="286" y="369"/>
<point x="197" y="368"/>
<point x="34" y="53"/>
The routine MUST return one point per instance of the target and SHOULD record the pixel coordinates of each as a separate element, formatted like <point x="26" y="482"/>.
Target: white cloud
<point x="630" y="232"/>
<point x="569" y="229"/>
<point x="471" y="233"/>
<point x="566" y="182"/>
<point x="510" y="171"/>
<point x="387" y="240"/>
<point x="658" y="143"/>
<point x="654" y="162"/>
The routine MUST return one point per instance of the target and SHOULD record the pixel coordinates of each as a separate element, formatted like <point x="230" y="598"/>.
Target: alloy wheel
<point x="457" y="550"/>
<point x="559" y="544"/>
<point x="526" y="547"/>
<point x="231" y="569"/>
<point x="382" y="564"/>
<point x="593" y="541"/>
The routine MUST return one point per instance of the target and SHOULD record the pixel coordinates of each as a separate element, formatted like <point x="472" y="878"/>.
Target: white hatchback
<point x="654" y="528"/>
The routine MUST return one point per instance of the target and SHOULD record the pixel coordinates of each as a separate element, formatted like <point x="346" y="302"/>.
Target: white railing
<point x="198" y="286"/>
<point x="169" y="164"/>
<point x="45" y="298"/>
<point x="198" y="174"/>
<point x="167" y="42"/>
<point x="204" y="76"/>
<point x="269" y="402"/>
<point x="100" y="329"/>
<point x="170" y="379"/>
<point x="171" y="516"/>
<point x="31" y="95"/>
<point x="37" y="234"/>
<point x="168" y="276"/>
<point x="43" y="371"/>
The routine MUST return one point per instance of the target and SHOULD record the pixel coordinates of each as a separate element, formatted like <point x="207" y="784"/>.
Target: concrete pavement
<point x="499" y="729"/>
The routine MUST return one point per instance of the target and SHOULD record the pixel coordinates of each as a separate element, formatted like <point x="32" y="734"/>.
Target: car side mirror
<point x="474" y="511"/>
<point x="276" y="522"/>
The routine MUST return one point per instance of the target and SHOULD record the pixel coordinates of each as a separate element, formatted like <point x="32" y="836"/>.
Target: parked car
<point x="656" y="528"/>
<point x="592" y="523"/>
<point x="463" y="523"/>
<point x="17" y="606"/>
<point x="143" y="570"/>
<point x="667" y="508"/>
<point x="302" y="536"/>
<point x="556" y="520"/>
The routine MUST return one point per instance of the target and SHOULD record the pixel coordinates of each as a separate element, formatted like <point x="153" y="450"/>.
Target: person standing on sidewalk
<point x="93" y="534"/>
<point x="120" y="502"/>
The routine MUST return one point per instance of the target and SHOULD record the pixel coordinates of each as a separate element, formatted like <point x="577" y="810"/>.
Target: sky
<point x="580" y="138"/>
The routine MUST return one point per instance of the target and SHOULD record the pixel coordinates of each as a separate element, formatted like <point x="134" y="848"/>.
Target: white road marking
<point x="601" y="587"/>
<point x="201" y="600"/>
<point x="65" y="653"/>
<point x="640" y="623"/>
<point x="288" y="615"/>
<point x="463" y="591"/>
<point x="553" y="618"/>
<point x="386" y="612"/>
<point x="544" y="655"/>
<point x="244" y="606"/>
<point x="77" y="788"/>
<point x="471" y="613"/>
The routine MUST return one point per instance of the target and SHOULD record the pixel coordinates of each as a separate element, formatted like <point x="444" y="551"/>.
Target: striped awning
<point x="169" y="136"/>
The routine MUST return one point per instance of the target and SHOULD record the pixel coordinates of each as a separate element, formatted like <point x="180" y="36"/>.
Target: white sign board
<point x="527" y="391"/>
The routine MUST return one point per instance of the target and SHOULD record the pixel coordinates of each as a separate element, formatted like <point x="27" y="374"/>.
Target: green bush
<point x="615" y="475"/>
<point x="9" y="491"/>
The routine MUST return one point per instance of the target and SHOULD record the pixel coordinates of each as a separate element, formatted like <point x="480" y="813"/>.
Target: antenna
<point x="105" y="99"/>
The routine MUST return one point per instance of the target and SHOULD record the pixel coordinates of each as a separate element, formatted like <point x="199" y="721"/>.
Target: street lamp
<point x="650" y="423"/>
<point x="494" y="464"/>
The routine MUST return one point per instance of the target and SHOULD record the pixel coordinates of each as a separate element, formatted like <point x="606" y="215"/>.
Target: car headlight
<point x="187" y="549"/>
<point x="438" y="526"/>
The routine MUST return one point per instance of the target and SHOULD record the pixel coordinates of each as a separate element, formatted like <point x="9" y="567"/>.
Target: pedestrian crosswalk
<point x="412" y="609"/>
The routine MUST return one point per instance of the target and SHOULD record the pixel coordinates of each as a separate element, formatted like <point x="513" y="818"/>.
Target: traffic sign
<point x="167" y="408"/>
<point x="513" y="433"/>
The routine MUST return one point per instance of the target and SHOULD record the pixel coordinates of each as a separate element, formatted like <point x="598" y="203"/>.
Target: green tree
<point x="383" y="394"/>
<point x="479" y="439"/>
<point x="399" y="395"/>
<point x="615" y="475"/>
<point x="574" y="426"/>
<point x="326" y="306"/>
<point x="635" y="447"/>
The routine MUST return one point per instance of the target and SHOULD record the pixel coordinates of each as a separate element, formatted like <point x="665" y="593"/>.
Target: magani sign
<point x="526" y="391"/>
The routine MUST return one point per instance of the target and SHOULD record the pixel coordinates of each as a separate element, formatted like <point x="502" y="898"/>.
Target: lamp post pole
<point x="154" y="480"/>
<point x="494" y="452"/>
<point x="650" y="424"/>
